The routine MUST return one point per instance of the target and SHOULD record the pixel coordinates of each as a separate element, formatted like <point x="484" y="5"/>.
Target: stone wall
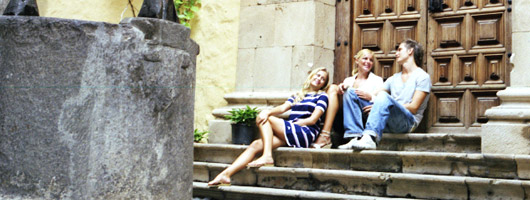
<point x="277" y="40"/>
<point x="280" y="42"/>
<point x="215" y="28"/>
<point x="91" y="110"/>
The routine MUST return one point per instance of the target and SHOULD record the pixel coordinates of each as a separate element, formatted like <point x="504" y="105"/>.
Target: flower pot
<point x="244" y="134"/>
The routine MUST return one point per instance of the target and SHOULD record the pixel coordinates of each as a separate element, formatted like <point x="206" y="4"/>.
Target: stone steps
<point x="263" y="193"/>
<point x="381" y="184"/>
<point x="437" y="166"/>
<point x="437" y="163"/>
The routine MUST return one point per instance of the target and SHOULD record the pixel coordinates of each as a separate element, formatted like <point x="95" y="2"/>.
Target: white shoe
<point x="366" y="142"/>
<point x="350" y="144"/>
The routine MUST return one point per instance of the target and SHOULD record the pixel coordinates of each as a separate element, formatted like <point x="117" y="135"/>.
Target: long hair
<point x="358" y="56"/>
<point x="305" y="88"/>
<point x="417" y="48"/>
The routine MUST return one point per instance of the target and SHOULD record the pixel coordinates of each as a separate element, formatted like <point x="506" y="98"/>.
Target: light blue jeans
<point x="353" y="113"/>
<point x="387" y="115"/>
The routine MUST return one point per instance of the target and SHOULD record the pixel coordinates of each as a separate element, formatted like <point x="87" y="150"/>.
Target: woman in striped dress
<point x="300" y="130"/>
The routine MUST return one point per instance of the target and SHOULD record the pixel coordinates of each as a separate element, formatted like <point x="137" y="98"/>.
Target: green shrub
<point x="186" y="10"/>
<point x="199" y="135"/>
<point x="243" y="115"/>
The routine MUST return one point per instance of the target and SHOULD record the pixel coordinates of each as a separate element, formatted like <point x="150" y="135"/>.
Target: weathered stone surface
<point x="22" y="7"/>
<point x="91" y="110"/>
<point x="3" y="5"/>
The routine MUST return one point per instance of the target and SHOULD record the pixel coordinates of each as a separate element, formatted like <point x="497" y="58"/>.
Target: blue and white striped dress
<point x="304" y="136"/>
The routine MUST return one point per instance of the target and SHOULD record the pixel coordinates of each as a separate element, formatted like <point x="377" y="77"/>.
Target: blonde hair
<point x="357" y="57"/>
<point x="305" y="88"/>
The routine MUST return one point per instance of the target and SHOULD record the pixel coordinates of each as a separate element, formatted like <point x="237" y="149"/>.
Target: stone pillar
<point x="508" y="130"/>
<point x="91" y="110"/>
<point x="277" y="41"/>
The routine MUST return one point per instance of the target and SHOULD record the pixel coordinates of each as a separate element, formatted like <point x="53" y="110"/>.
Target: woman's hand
<point x="342" y="88"/>
<point x="301" y="122"/>
<point x="363" y="95"/>
<point x="262" y="117"/>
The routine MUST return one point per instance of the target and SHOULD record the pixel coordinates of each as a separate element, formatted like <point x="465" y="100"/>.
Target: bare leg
<point x="273" y="128"/>
<point x="256" y="147"/>
<point x="333" y="106"/>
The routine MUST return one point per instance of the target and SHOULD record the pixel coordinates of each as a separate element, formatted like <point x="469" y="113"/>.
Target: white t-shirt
<point x="403" y="92"/>
<point x="373" y="82"/>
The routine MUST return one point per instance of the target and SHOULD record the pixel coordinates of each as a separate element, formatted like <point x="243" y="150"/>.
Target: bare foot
<point x="220" y="180"/>
<point x="262" y="161"/>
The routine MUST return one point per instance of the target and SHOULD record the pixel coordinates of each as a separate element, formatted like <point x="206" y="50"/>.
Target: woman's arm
<point x="311" y="120"/>
<point x="264" y="114"/>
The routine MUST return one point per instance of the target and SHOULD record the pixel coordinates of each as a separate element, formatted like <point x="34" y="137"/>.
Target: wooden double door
<point x="467" y="46"/>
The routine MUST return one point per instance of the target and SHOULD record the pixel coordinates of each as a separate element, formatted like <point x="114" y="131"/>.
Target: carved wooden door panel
<point x="466" y="52"/>
<point x="467" y="47"/>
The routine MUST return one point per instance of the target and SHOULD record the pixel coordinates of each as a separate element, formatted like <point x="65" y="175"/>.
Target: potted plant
<point x="244" y="129"/>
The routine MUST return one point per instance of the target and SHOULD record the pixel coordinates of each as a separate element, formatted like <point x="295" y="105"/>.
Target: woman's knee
<point x="333" y="89"/>
<point x="256" y="145"/>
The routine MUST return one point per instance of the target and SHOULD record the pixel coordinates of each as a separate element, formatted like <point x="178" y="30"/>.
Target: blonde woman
<point x="357" y="89"/>
<point x="300" y="130"/>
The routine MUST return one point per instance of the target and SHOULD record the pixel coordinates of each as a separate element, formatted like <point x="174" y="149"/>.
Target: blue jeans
<point x="389" y="116"/>
<point x="353" y="113"/>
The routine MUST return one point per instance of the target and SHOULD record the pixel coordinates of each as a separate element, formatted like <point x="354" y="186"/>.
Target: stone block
<point x="482" y="188"/>
<point x="324" y="26"/>
<point x="523" y="166"/>
<point x="93" y="110"/>
<point x="220" y="131"/>
<point x="526" y="187"/>
<point x="307" y="58"/>
<point x="514" y="135"/>
<point x="218" y="153"/>
<point x="426" y="163"/>
<point x="245" y="69"/>
<point x="201" y="173"/>
<point x="376" y="161"/>
<point x="521" y="62"/>
<point x="276" y="177"/>
<point x="291" y="157"/>
<point x="520" y="15"/>
<point x="331" y="159"/>
<point x="294" y="24"/>
<point x="340" y="181"/>
<point x="492" y="165"/>
<point x="272" y="69"/>
<point x="427" y="186"/>
<point x="257" y="26"/>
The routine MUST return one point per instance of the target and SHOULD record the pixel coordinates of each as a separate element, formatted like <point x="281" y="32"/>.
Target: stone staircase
<point x="407" y="166"/>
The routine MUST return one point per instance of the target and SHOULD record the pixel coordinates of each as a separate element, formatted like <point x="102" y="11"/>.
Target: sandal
<point x="324" y="134"/>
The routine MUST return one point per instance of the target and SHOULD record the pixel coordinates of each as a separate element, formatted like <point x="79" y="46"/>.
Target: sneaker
<point x="366" y="142"/>
<point x="350" y="144"/>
